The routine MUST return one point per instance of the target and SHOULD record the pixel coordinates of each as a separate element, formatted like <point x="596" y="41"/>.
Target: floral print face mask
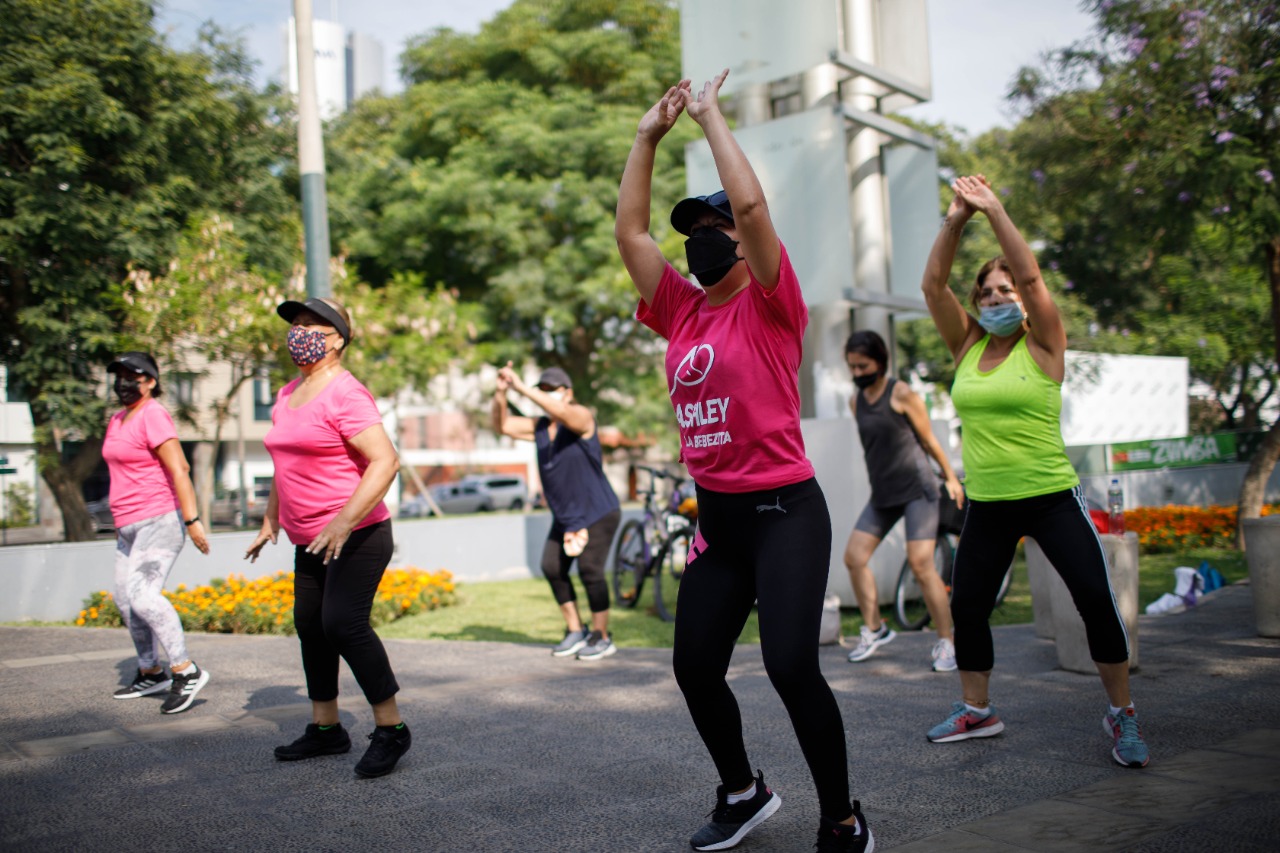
<point x="306" y="346"/>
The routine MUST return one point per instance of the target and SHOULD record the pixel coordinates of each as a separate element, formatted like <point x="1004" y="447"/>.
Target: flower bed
<point x="1177" y="528"/>
<point x="265" y="606"/>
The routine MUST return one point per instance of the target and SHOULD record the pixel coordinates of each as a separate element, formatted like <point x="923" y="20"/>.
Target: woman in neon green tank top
<point x="1010" y="362"/>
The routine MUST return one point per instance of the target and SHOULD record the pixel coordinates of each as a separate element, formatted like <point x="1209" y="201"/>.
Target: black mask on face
<point x="128" y="390"/>
<point x="711" y="254"/>
<point x="866" y="380"/>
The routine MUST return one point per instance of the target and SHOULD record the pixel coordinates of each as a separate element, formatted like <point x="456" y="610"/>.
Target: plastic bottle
<point x="1115" y="508"/>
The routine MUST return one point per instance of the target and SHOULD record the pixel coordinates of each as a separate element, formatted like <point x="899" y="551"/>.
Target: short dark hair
<point x="870" y="344"/>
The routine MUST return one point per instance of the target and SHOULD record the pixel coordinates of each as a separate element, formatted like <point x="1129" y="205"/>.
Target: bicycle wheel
<point x="909" y="609"/>
<point x="669" y="571"/>
<point x="629" y="565"/>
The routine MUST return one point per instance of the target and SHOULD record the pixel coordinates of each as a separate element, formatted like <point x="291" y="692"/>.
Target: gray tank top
<point x="896" y="461"/>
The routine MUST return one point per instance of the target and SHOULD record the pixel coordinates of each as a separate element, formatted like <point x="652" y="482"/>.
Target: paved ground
<point x="514" y="750"/>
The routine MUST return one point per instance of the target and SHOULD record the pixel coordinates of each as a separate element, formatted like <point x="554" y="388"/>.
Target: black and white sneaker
<point x="183" y="691"/>
<point x="842" y="838"/>
<point x="144" y="684"/>
<point x="730" y="823"/>
<point x="386" y="745"/>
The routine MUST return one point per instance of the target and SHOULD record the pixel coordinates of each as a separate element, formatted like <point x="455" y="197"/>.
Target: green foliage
<point x="495" y="175"/>
<point x="108" y="141"/>
<point x="19" y="506"/>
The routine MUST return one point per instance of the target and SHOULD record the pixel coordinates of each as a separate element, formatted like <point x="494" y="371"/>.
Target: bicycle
<point x="656" y="546"/>
<point x="908" y="602"/>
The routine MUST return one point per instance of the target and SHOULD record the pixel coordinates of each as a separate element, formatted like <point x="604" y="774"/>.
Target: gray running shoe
<point x="869" y="641"/>
<point x="571" y="644"/>
<point x="598" y="646"/>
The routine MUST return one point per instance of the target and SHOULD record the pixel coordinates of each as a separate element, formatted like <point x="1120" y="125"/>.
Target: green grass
<point x="524" y="612"/>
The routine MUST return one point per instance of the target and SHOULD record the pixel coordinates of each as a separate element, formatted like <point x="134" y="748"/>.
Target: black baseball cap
<point x="137" y="362"/>
<point x="292" y="308"/>
<point x="554" y="377"/>
<point x="687" y="212"/>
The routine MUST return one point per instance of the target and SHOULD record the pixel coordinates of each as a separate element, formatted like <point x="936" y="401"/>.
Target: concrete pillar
<point x="1262" y="549"/>
<point x="1068" y="627"/>
<point x="315" y="205"/>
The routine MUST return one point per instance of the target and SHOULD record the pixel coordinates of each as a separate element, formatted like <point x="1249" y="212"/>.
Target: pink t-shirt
<point x="317" y="469"/>
<point x="732" y="376"/>
<point x="141" y="487"/>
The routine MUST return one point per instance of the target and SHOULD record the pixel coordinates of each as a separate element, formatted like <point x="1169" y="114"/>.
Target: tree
<point x="109" y="139"/>
<point x="1167" y="124"/>
<point x="495" y="175"/>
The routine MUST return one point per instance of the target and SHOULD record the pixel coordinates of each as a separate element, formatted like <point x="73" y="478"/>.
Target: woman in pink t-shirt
<point x="333" y="465"/>
<point x="764" y="533"/>
<point x="154" y="505"/>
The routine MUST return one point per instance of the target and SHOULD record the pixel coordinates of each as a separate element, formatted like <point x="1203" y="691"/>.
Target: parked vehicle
<point x="505" y="491"/>
<point x="226" y="510"/>
<point x="100" y="509"/>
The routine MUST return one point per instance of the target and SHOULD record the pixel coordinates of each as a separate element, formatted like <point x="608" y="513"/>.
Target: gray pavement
<point x="514" y="750"/>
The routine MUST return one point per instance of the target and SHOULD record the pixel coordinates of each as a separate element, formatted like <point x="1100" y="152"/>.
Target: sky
<point x="976" y="46"/>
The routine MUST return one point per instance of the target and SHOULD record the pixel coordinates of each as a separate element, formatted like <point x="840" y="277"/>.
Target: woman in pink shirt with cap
<point x="153" y="505"/>
<point x="764" y="532"/>
<point x="333" y="466"/>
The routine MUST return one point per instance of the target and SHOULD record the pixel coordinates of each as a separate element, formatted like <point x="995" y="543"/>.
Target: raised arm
<point x="640" y="253"/>
<point x="956" y="325"/>
<point x="1046" y="323"/>
<point x="573" y="415"/>
<point x="504" y="423"/>
<point x="750" y="210"/>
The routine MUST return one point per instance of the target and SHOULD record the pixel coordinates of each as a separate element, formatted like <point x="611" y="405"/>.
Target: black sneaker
<point x="315" y="741"/>
<point x="144" y="684"/>
<point x="183" y="691"/>
<point x="841" y="838"/>
<point x="385" y="748"/>
<point x="730" y="823"/>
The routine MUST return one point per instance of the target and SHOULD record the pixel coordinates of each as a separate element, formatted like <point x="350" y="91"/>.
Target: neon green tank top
<point x="1010" y="427"/>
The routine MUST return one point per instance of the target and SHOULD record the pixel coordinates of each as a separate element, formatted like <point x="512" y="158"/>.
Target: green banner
<point x="1174" y="452"/>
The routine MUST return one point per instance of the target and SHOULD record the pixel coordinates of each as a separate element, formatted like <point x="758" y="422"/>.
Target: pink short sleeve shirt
<point x="732" y="376"/>
<point x="316" y="467"/>
<point x="141" y="487"/>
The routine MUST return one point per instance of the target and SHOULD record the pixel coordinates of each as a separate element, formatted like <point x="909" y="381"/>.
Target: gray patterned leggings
<point x="145" y="553"/>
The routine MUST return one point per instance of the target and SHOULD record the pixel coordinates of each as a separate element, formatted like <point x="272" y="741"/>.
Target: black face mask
<point x="866" y="380"/>
<point x="128" y="390"/>
<point x="711" y="254"/>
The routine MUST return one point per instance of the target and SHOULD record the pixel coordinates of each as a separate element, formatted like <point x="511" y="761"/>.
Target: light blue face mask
<point x="1001" y="320"/>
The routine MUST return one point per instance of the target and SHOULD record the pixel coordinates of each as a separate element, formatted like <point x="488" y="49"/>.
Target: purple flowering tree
<point x="1157" y="138"/>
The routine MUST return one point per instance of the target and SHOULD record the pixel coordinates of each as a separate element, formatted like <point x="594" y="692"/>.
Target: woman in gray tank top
<point x="894" y="428"/>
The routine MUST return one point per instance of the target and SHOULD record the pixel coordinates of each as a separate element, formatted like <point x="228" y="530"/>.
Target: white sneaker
<point x="944" y="656"/>
<point x="869" y="641"/>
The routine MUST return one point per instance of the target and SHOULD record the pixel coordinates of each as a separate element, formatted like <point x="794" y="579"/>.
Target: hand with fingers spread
<point x="330" y="540"/>
<point x="662" y="116"/>
<point x="269" y="532"/>
<point x="707" y="101"/>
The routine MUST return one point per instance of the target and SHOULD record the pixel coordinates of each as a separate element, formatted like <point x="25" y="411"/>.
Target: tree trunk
<point x="205" y="454"/>
<point x="65" y="480"/>
<point x="1254" y="488"/>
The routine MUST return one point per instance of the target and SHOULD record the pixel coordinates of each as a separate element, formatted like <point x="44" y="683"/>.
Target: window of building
<point x="262" y="400"/>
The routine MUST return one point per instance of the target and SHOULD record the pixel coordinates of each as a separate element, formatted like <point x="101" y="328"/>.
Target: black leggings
<point x="1060" y="524"/>
<point x="331" y="612"/>
<point x="556" y="563"/>
<point x="773" y="547"/>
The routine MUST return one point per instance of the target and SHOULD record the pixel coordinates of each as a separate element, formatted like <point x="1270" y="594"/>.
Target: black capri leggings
<point x="556" y="563"/>
<point x="773" y="547"/>
<point x="1060" y="524"/>
<point x="331" y="612"/>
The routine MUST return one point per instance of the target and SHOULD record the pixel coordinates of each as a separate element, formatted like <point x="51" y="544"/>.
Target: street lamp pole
<point x="315" y="210"/>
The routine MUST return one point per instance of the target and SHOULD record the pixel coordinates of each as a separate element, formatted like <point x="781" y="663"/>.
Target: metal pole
<point x="315" y="208"/>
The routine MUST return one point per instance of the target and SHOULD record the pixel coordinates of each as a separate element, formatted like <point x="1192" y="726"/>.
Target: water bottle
<point x="1115" y="508"/>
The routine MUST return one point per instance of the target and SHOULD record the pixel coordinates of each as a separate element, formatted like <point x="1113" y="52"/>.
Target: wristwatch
<point x="192" y="521"/>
